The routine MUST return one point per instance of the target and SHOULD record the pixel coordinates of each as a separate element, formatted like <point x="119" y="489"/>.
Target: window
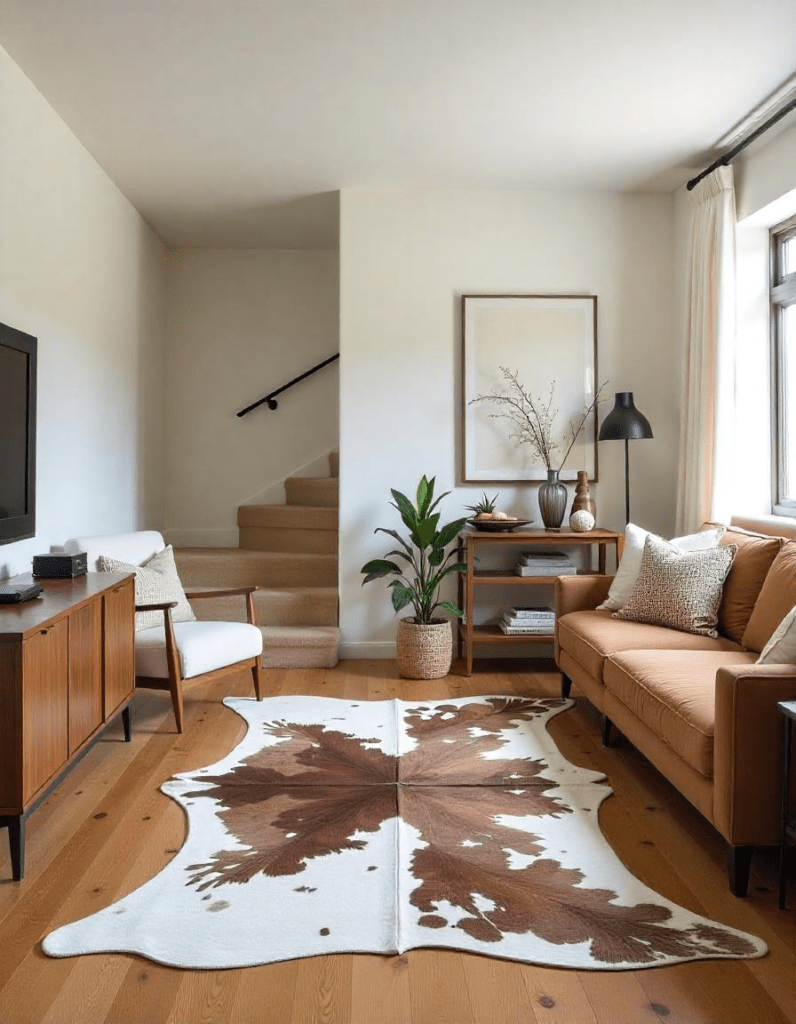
<point x="783" y="320"/>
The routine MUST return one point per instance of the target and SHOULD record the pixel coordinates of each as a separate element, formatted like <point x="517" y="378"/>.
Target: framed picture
<point x="549" y="344"/>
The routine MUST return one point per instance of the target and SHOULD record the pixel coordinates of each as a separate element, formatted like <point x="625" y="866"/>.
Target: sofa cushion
<point x="672" y="693"/>
<point x="679" y="589"/>
<point x="744" y="582"/>
<point x="777" y="597"/>
<point x="592" y="636"/>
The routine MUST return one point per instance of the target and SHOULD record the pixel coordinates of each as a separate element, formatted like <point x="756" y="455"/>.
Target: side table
<point x="787" y="826"/>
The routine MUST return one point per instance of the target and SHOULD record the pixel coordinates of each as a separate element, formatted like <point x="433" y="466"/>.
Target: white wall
<point x="406" y="257"/>
<point x="81" y="271"/>
<point x="241" y="323"/>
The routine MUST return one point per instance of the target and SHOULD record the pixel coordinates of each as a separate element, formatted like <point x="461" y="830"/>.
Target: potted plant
<point x="424" y="644"/>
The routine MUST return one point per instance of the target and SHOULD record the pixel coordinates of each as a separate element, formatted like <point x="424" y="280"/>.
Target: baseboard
<point x="221" y="538"/>
<point x="366" y="651"/>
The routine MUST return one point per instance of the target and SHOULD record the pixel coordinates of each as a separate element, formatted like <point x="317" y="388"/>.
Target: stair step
<point x="300" y="646"/>
<point x="288" y="606"/>
<point x="237" y="567"/>
<point x="312" y="490"/>
<point x="334" y="463"/>
<point x="321" y="542"/>
<point x="288" y="517"/>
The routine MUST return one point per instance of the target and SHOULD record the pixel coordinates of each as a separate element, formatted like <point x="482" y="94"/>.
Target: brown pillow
<point x="749" y="569"/>
<point x="776" y="598"/>
<point x="681" y="590"/>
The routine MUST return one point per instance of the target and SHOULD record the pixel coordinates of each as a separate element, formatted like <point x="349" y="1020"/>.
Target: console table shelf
<point x="471" y="634"/>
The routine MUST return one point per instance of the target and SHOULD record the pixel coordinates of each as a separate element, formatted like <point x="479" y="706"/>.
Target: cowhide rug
<point x="377" y="827"/>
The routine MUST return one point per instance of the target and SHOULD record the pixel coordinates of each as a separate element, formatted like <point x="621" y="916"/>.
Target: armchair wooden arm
<point x="228" y="592"/>
<point x="164" y="607"/>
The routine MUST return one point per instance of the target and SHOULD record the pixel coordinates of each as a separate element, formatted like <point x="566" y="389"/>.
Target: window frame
<point x="782" y="294"/>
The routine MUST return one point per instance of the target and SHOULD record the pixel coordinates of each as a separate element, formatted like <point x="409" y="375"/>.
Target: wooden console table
<point x="469" y="634"/>
<point x="67" y="668"/>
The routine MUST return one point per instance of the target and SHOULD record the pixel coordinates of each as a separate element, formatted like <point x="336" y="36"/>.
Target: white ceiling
<point x="233" y="122"/>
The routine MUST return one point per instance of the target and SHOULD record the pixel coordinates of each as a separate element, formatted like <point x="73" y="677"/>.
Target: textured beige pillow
<point x="681" y="590"/>
<point x="155" y="583"/>
<point x="781" y="648"/>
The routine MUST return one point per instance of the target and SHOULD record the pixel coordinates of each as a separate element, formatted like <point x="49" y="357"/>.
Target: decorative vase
<point x="424" y="650"/>
<point x="552" y="501"/>
<point x="583" y="500"/>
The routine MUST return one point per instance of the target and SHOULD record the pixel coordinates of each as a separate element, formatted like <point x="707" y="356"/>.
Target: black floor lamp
<point x="625" y="423"/>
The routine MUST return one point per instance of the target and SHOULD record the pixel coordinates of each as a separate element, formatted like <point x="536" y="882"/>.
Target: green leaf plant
<point x="425" y="562"/>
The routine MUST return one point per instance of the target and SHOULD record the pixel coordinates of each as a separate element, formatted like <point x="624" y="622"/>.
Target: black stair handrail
<point x="270" y="401"/>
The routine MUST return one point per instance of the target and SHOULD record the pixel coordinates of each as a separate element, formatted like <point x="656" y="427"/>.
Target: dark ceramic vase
<point x="552" y="501"/>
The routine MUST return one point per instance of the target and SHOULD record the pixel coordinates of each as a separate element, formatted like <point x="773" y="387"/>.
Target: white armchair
<point x="167" y="654"/>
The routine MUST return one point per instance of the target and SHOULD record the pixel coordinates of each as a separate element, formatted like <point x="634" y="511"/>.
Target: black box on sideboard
<point x="60" y="566"/>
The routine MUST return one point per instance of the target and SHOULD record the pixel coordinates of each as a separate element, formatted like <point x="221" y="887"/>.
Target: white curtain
<point x="707" y="475"/>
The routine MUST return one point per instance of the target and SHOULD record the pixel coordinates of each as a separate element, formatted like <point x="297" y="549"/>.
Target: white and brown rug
<point x="377" y="827"/>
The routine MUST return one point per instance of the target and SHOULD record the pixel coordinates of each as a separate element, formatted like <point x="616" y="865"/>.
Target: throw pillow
<point x="630" y="562"/>
<point x="776" y="598"/>
<point x="749" y="569"/>
<point x="156" y="581"/>
<point x="681" y="590"/>
<point x="781" y="648"/>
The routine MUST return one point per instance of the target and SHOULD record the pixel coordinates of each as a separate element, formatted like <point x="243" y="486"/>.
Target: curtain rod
<point x="732" y="153"/>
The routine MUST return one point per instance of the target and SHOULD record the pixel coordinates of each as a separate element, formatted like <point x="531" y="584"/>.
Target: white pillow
<point x="781" y="648"/>
<point x="156" y="582"/>
<point x="630" y="562"/>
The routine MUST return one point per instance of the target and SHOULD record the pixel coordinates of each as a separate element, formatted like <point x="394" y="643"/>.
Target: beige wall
<point x="81" y="271"/>
<point x="406" y="257"/>
<point x="241" y="323"/>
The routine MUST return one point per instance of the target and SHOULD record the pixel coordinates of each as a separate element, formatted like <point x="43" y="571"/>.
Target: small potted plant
<point x="424" y="643"/>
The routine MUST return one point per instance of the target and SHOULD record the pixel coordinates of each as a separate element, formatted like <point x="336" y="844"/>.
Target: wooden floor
<point x="107" y="829"/>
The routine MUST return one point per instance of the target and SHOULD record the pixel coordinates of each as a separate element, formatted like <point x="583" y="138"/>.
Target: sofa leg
<point x="566" y="685"/>
<point x="740" y="864"/>
<point x="606" y="731"/>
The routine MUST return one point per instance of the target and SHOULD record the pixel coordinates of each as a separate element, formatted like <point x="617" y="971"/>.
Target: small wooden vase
<point x="583" y="499"/>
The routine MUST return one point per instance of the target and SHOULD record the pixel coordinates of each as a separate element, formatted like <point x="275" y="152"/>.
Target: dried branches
<point x="533" y="418"/>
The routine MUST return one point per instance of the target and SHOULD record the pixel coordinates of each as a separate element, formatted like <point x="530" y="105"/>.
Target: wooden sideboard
<point x="67" y="668"/>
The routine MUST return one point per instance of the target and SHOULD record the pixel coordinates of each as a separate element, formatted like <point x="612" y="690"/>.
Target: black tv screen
<point x="17" y="435"/>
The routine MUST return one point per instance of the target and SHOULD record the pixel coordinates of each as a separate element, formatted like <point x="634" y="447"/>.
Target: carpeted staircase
<point x="290" y="550"/>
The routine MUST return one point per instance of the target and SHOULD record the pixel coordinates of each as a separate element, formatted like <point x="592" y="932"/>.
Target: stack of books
<point x="530" y="621"/>
<point x="545" y="563"/>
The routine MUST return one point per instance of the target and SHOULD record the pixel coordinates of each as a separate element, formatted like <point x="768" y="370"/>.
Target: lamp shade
<point x="624" y="422"/>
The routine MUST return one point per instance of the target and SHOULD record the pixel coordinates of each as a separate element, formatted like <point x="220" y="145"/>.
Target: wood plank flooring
<point x="108" y="828"/>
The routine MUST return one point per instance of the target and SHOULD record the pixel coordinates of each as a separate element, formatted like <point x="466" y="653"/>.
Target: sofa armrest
<point x="580" y="593"/>
<point x="748" y="750"/>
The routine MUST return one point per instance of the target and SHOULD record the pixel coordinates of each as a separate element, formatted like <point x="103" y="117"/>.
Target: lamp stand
<point x="627" y="483"/>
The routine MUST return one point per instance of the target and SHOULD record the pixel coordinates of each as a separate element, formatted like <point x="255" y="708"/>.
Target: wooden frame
<point x="173" y="682"/>
<point x="548" y="339"/>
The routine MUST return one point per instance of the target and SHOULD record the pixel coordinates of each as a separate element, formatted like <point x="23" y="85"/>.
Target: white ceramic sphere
<point x="581" y="521"/>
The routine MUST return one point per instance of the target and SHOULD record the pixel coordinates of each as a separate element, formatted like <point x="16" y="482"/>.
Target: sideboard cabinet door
<point x="119" y="642"/>
<point x="45" y="716"/>
<point x="85" y="673"/>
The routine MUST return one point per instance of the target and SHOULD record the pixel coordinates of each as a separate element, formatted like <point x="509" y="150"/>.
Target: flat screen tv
<point x="17" y="435"/>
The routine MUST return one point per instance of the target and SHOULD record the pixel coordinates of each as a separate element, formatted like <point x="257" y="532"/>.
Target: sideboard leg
<point x="16" y="843"/>
<point x="740" y="868"/>
<point x="128" y="732"/>
<point x="566" y="685"/>
<point x="606" y="731"/>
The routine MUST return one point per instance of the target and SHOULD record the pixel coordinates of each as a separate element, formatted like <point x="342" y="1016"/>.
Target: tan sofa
<point x="698" y="708"/>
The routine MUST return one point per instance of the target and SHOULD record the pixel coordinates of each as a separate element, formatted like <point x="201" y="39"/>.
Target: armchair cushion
<point x="155" y="583"/>
<point x="202" y="646"/>
<point x="136" y="548"/>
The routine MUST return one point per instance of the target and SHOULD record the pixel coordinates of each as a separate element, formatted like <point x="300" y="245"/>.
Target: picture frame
<point x="550" y="341"/>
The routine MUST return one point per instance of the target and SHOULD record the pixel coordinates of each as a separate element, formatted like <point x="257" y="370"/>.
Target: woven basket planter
<point x="424" y="651"/>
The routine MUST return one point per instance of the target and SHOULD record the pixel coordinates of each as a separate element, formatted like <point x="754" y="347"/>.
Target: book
<point x="531" y="612"/>
<point x="526" y="630"/>
<point x="547" y="570"/>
